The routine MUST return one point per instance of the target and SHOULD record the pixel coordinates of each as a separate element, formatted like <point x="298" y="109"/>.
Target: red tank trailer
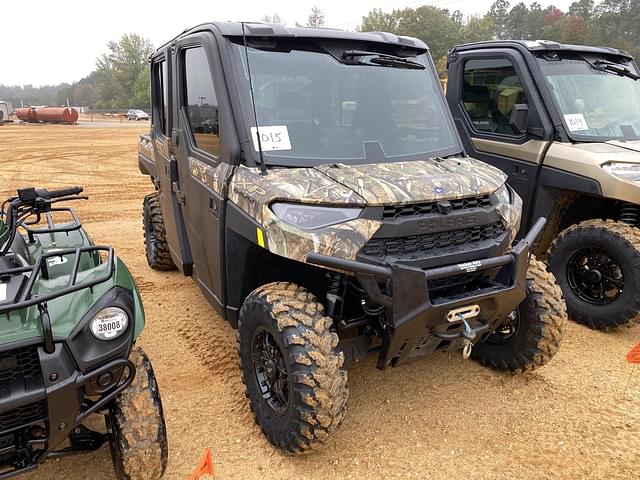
<point x="65" y="115"/>
<point x="26" y="114"/>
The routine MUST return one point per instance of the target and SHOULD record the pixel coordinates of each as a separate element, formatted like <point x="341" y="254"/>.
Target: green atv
<point x="70" y="313"/>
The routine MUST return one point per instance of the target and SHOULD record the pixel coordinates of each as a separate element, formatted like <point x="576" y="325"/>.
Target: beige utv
<point x="563" y="121"/>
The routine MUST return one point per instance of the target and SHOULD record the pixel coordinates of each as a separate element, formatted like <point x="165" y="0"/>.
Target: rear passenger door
<point x="203" y="159"/>
<point x="166" y="167"/>
<point x="483" y="89"/>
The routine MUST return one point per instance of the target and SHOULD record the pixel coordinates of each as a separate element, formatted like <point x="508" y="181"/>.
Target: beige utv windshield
<point x="595" y="102"/>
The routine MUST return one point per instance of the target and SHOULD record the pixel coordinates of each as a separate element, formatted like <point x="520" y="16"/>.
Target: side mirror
<point x="519" y="118"/>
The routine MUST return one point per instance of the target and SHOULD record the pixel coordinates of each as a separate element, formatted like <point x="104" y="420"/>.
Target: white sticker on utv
<point x="576" y="122"/>
<point x="271" y="138"/>
<point x="53" y="261"/>
<point x="3" y="292"/>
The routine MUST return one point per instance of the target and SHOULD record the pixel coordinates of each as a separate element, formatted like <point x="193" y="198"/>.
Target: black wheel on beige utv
<point x="136" y="428"/>
<point x="597" y="264"/>
<point x="155" y="237"/>
<point x="531" y="335"/>
<point x="292" y="371"/>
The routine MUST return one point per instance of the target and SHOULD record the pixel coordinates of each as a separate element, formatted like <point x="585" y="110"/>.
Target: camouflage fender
<point x="214" y="177"/>
<point x="254" y="192"/>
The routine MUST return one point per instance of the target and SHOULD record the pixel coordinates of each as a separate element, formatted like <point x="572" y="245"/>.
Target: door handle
<point x="214" y="207"/>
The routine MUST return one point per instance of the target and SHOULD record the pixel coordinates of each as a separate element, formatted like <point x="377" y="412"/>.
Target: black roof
<point x="259" y="29"/>
<point x="542" y="45"/>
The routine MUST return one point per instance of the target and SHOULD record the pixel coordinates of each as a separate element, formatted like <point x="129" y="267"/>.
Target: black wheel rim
<point x="271" y="370"/>
<point x="506" y="331"/>
<point x="595" y="276"/>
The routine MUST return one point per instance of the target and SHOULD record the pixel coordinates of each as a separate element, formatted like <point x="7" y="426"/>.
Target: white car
<point x="135" y="114"/>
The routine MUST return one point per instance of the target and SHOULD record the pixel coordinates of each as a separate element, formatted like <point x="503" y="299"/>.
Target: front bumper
<point x="416" y="324"/>
<point x="36" y="417"/>
<point x="48" y="387"/>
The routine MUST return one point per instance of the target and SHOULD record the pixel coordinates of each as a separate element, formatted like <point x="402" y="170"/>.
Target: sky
<point x="53" y="41"/>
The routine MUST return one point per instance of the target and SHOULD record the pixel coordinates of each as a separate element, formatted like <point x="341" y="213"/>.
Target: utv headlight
<point x="503" y="194"/>
<point x="310" y="217"/>
<point x="109" y="323"/>
<point x="626" y="171"/>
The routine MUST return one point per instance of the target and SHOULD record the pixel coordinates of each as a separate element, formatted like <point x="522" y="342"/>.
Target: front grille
<point x="424" y="245"/>
<point x="394" y="212"/>
<point x="21" y="363"/>
<point x="23" y="416"/>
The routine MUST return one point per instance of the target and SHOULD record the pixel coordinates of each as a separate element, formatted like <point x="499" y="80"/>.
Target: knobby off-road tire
<point x="138" y="436"/>
<point x="617" y="241"/>
<point x="533" y="335"/>
<point x="155" y="236"/>
<point x="316" y="381"/>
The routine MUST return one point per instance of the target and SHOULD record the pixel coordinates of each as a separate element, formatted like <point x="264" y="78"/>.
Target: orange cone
<point x="205" y="467"/>
<point x="634" y="355"/>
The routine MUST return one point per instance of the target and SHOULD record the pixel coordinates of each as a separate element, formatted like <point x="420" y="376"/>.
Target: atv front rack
<point x="26" y="298"/>
<point x="52" y="227"/>
<point x="414" y="324"/>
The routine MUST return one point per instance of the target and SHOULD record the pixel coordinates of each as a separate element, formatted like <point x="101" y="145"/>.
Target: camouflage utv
<point x="330" y="213"/>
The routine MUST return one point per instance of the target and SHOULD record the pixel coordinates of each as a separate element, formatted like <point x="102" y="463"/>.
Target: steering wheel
<point x="619" y="122"/>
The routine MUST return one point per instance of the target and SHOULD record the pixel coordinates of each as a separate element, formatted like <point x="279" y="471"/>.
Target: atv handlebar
<point x="29" y="195"/>
<point x="62" y="192"/>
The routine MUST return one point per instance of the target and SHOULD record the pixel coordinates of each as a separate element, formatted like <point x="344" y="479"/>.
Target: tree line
<point x="613" y="23"/>
<point x="120" y="81"/>
<point x="121" y="78"/>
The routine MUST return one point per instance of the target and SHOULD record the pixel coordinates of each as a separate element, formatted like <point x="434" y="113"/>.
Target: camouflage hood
<point x="416" y="181"/>
<point x="355" y="185"/>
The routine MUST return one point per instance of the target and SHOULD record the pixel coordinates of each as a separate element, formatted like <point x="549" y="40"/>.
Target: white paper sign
<point x="576" y="122"/>
<point x="271" y="138"/>
<point x="3" y="292"/>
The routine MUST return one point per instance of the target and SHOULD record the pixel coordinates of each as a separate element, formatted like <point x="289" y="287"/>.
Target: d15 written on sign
<point x="576" y="122"/>
<point x="271" y="138"/>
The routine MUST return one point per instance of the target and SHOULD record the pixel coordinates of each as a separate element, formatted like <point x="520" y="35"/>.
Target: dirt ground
<point x="442" y="418"/>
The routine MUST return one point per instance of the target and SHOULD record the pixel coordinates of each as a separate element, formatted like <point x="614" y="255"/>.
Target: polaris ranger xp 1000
<point x="313" y="185"/>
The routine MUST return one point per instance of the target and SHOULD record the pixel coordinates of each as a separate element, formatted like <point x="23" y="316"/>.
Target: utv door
<point x="166" y="166"/>
<point x="203" y="160"/>
<point x="487" y="90"/>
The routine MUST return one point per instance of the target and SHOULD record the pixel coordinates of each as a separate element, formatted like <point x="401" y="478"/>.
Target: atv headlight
<point x="503" y="194"/>
<point x="109" y="323"/>
<point x="626" y="171"/>
<point x="310" y="217"/>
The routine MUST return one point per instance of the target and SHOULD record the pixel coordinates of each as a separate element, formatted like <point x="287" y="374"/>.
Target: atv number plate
<point x="3" y="292"/>
<point x="108" y="327"/>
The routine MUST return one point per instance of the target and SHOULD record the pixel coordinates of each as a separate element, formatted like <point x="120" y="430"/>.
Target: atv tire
<point x="597" y="264"/>
<point x="135" y="422"/>
<point x="155" y="236"/>
<point x="293" y="373"/>
<point x="532" y="334"/>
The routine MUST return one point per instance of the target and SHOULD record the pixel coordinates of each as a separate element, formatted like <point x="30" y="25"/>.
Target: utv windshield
<point x="599" y="100"/>
<point x="340" y="104"/>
